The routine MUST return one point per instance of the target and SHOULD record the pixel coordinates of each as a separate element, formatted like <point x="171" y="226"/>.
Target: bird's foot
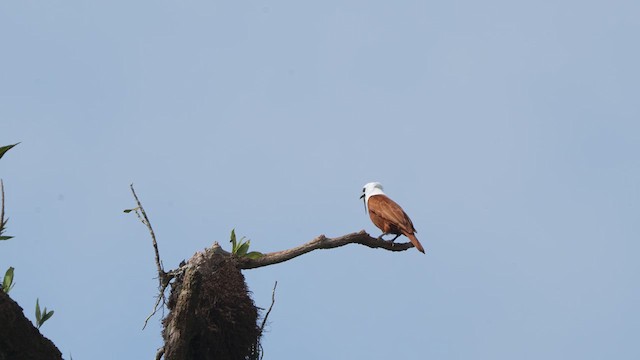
<point x="392" y="241"/>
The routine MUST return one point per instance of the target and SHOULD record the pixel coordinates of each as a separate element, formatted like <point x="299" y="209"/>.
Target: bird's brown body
<point x="389" y="217"/>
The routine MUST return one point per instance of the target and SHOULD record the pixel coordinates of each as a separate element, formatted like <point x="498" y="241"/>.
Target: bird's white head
<point x="370" y="189"/>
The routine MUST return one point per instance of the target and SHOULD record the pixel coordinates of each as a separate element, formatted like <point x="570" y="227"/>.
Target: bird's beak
<point x="361" y="196"/>
<point x="365" y="203"/>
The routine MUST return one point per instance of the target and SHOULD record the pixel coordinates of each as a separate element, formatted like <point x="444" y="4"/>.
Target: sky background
<point x="509" y="131"/>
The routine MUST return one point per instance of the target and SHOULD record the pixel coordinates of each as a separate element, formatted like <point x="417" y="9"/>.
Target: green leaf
<point x="254" y="255"/>
<point x="4" y="149"/>
<point x="233" y="241"/>
<point x="5" y="237"/>
<point x="3" y="222"/>
<point x="42" y="316"/>
<point x="38" y="315"/>
<point x="46" y="316"/>
<point x="242" y="249"/>
<point x="7" y="282"/>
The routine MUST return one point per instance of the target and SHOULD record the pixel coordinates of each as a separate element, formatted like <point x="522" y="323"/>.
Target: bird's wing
<point x="389" y="210"/>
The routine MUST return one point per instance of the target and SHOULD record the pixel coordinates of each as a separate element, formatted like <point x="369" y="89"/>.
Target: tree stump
<point x="211" y="315"/>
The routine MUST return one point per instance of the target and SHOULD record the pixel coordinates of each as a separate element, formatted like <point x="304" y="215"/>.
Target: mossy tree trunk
<point x="211" y="314"/>
<point x="19" y="339"/>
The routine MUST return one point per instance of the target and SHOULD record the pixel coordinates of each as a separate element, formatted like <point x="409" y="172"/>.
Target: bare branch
<point x="273" y="301"/>
<point x="145" y="220"/>
<point x="163" y="277"/>
<point x="159" y="298"/>
<point x="322" y="242"/>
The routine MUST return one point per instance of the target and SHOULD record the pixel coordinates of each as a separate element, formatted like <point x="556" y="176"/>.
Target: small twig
<point x="159" y="298"/>
<point x="273" y="301"/>
<point x="163" y="277"/>
<point x="153" y="235"/>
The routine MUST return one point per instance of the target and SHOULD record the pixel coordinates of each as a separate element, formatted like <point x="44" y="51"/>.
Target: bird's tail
<point x="415" y="242"/>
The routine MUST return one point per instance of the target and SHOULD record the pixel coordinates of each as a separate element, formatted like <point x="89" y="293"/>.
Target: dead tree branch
<point x="147" y="223"/>
<point x="163" y="277"/>
<point x="322" y="242"/>
<point x="273" y="301"/>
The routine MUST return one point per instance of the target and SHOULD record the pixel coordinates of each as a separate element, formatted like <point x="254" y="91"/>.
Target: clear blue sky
<point x="509" y="131"/>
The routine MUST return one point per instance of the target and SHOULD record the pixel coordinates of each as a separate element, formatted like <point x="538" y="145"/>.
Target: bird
<point x="387" y="215"/>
